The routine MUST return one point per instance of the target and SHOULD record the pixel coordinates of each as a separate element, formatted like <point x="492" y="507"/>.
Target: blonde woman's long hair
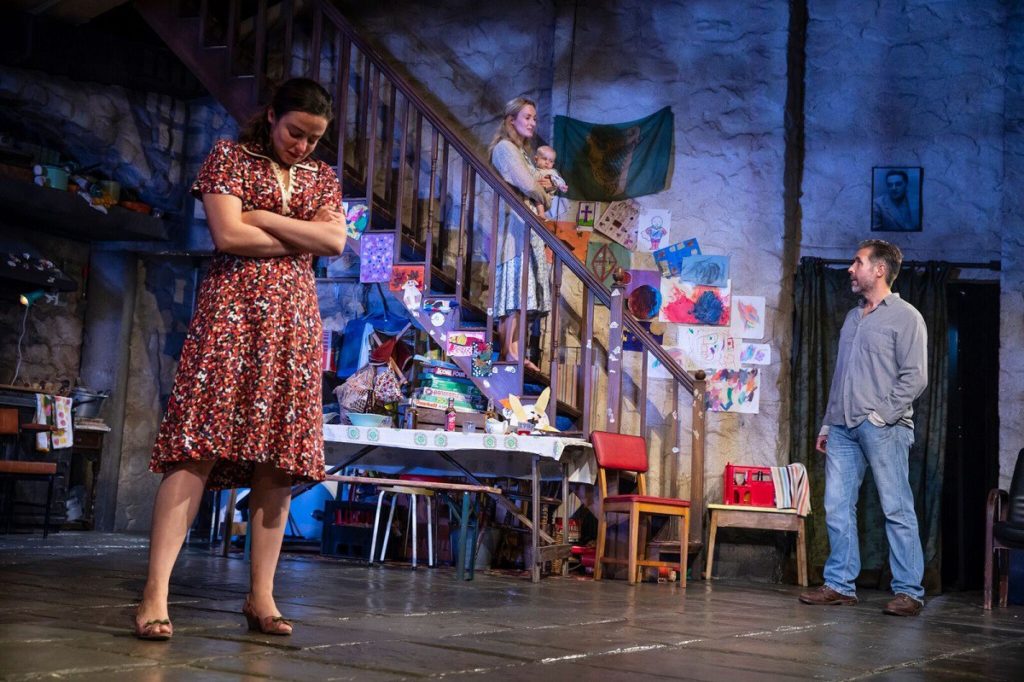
<point x="505" y="129"/>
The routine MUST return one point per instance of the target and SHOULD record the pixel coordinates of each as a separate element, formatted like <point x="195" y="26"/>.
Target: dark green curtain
<point x="823" y="298"/>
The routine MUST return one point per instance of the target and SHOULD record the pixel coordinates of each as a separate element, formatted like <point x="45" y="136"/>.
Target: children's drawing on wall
<point x="401" y="275"/>
<point x="707" y="348"/>
<point x="734" y="390"/>
<point x="656" y="370"/>
<point x="618" y="222"/>
<point x="653" y="229"/>
<point x="748" y="317"/>
<point x="670" y="259"/>
<point x="755" y="353"/>
<point x="357" y="217"/>
<point x="712" y="271"/>
<point x="466" y="344"/>
<point x="603" y="257"/>
<point x="643" y="294"/>
<point x="376" y="256"/>
<point x="686" y="303"/>
<point x="586" y="216"/>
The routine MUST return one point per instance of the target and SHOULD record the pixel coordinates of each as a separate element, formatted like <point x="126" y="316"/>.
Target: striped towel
<point x="792" y="489"/>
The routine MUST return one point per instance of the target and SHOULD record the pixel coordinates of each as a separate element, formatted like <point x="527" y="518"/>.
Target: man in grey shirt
<point x="881" y="369"/>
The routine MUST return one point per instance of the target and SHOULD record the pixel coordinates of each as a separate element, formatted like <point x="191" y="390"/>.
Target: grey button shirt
<point x="882" y="366"/>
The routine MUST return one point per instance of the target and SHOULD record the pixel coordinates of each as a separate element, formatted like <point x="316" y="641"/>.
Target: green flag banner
<point x="609" y="162"/>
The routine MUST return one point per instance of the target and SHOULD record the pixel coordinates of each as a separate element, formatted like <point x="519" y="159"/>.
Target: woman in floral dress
<point x="510" y="156"/>
<point x="245" y="410"/>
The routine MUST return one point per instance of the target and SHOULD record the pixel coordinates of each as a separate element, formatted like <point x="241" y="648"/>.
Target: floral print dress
<point x="248" y="387"/>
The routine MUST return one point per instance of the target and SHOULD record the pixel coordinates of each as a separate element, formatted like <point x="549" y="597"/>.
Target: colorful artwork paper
<point x="603" y="257"/>
<point x="643" y="294"/>
<point x="586" y="215"/>
<point x="618" y="222"/>
<point x="734" y="390"/>
<point x="755" y="353"/>
<point x="686" y="303"/>
<point x="670" y="259"/>
<point x="357" y="217"/>
<point x="465" y="344"/>
<point x="400" y="274"/>
<point x="747" y="317"/>
<point x="574" y="237"/>
<point x="653" y="229"/>
<point x="656" y="370"/>
<point x="707" y="348"/>
<point x="376" y="256"/>
<point x="712" y="271"/>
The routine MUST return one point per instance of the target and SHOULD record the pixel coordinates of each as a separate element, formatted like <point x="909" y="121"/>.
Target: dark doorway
<point x="972" y="447"/>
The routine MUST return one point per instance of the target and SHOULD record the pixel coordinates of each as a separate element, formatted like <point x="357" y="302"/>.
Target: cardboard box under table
<point x="440" y="453"/>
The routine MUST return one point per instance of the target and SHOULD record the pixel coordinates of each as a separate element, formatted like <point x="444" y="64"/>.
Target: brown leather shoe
<point x="826" y="596"/>
<point x="903" y="605"/>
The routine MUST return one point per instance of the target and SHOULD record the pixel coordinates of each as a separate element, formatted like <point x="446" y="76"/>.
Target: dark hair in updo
<point x="296" y="94"/>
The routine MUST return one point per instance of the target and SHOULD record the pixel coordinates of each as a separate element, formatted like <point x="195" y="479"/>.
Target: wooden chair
<point x="13" y="470"/>
<point x="619" y="452"/>
<point x="1004" y="530"/>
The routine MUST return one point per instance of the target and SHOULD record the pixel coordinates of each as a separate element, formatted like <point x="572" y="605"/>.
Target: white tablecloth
<point x="414" y="451"/>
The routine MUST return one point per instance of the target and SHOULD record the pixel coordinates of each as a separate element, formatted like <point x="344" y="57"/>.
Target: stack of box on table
<point x="439" y="381"/>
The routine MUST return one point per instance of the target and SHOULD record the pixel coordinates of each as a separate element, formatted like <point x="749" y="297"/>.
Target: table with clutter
<point x="471" y="455"/>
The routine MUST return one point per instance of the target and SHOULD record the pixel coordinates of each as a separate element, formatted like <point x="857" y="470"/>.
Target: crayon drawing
<point x="712" y="271"/>
<point x="734" y="390"/>
<point x="707" y="348"/>
<point x="748" y="317"/>
<point x="653" y="229"/>
<point x="755" y="353"/>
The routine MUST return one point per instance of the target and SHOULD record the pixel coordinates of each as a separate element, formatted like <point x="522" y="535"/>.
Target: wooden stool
<point x="759" y="518"/>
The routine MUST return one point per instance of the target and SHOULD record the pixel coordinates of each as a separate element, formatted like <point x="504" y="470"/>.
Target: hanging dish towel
<point x="63" y="437"/>
<point x="44" y="408"/>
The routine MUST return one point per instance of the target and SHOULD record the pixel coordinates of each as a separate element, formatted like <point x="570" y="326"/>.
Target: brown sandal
<point x="268" y="625"/>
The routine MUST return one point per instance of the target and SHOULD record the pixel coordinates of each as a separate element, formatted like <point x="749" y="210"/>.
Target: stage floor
<point x="65" y="605"/>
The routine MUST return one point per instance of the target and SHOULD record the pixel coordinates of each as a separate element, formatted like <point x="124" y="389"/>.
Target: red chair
<point x="618" y="452"/>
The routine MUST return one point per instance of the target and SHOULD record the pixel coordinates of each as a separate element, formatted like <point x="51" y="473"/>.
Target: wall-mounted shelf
<point x="23" y="204"/>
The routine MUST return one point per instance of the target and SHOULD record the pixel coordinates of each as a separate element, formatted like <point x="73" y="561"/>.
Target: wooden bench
<point x="758" y="518"/>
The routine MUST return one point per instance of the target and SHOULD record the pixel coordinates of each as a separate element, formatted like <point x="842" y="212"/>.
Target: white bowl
<point x="358" y="419"/>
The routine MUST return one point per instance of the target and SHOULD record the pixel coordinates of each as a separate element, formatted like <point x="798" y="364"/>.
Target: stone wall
<point x="1011" y="328"/>
<point x="51" y="347"/>
<point x="132" y="137"/>
<point x="923" y="84"/>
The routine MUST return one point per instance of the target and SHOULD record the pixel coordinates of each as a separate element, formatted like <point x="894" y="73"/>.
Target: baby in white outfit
<point x="544" y="160"/>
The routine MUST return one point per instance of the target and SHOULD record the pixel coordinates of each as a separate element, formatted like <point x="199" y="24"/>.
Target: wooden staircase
<point x="436" y="192"/>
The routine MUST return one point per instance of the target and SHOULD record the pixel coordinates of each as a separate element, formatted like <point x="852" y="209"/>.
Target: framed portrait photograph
<point x="896" y="198"/>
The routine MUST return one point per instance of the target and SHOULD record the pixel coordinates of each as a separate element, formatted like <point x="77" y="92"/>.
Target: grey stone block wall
<point x="936" y="85"/>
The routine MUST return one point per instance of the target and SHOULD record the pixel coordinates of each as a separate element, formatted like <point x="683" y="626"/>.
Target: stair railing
<point x="384" y="105"/>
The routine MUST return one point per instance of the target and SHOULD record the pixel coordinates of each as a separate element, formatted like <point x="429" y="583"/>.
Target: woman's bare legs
<point x="177" y="501"/>
<point x="269" y="502"/>
<point x="510" y="340"/>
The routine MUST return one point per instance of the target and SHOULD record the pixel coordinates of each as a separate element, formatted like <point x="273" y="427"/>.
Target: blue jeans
<point x="848" y="454"/>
